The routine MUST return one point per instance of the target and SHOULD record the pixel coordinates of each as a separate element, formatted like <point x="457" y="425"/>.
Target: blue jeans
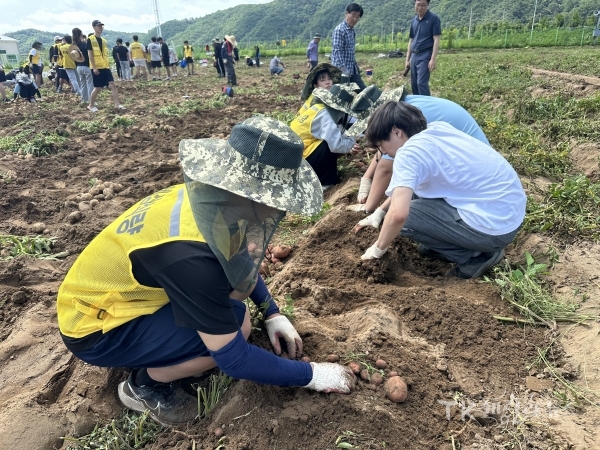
<point x="74" y="80"/>
<point x="419" y="73"/>
<point x="276" y="70"/>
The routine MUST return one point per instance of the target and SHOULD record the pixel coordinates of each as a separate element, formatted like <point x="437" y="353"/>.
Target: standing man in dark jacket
<point x="166" y="59"/>
<point x="423" y="46"/>
<point x="217" y="46"/>
<point x="115" y="55"/>
<point x="227" y="55"/>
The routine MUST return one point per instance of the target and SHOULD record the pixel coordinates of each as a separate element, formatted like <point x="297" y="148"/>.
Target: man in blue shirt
<point x="423" y="46"/>
<point x="312" y="52"/>
<point x="343" y="43"/>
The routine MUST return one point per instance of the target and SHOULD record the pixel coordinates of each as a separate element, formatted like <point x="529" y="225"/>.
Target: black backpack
<point x="236" y="54"/>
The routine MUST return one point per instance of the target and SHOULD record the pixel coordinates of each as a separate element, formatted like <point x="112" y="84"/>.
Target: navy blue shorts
<point x="102" y="79"/>
<point x="36" y="69"/>
<point x="150" y="341"/>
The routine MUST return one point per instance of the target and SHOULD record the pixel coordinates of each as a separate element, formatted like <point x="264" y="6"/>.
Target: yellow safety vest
<point x="302" y="124"/>
<point x="35" y="59"/>
<point x="100" y="56"/>
<point x="136" y="51"/>
<point x="68" y="62"/>
<point x="100" y="291"/>
<point x="188" y="51"/>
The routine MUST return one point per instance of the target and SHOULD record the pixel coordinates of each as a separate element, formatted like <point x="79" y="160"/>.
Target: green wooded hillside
<point x="291" y="19"/>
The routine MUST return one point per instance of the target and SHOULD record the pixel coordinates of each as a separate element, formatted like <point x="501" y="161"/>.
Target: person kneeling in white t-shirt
<point x="455" y="195"/>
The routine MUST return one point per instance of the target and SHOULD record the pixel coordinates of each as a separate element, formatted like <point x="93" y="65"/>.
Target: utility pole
<point x="470" y="20"/>
<point x="533" y="22"/>
<point x="157" y="17"/>
<point x="392" y="32"/>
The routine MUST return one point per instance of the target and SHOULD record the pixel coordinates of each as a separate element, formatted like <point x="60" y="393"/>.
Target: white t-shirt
<point x="154" y="50"/>
<point x="443" y="162"/>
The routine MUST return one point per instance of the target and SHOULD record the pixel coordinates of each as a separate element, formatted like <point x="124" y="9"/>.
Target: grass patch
<point x="187" y="106"/>
<point x="570" y="210"/>
<point x="524" y="289"/>
<point x="129" y="431"/>
<point x="121" y="122"/>
<point x="88" y="126"/>
<point x="282" y="116"/>
<point x="209" y="396"/>
<point x="41" y="144"/>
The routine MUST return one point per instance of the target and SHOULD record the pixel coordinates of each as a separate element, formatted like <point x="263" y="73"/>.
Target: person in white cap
<point x="160" y="289"/>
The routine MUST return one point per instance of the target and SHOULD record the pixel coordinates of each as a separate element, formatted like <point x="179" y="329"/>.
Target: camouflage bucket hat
<point x="336" y="75"/>
<point x="261" y="161"/>
<point x="338" y="97"/>
<point x="367" y="102"/>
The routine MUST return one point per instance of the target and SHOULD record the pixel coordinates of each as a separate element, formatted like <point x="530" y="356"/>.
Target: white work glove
<point x="281" y="327"/>
<point x="224" y="60"/>
<point x="363" y="189"/>
<point x="373" y="220"/>
<point x="330" y="377"/>
<point x="358" y="208"/>
<point x="373" y="253"/>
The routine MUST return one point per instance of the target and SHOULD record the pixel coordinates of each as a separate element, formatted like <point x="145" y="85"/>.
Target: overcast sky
<point x="60" y="16"/>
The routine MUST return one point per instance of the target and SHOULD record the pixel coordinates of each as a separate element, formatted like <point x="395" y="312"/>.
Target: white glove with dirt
<point x="330" y="377"/>
<point x="363" y="189"/>
<point x="358" y="208"/>
<point x="373" y="220"/>
<point x="373" y="253"/>
<point x="280" y="327"/>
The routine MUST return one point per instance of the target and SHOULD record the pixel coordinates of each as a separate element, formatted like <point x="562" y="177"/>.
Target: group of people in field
<point x="182" y="260"/>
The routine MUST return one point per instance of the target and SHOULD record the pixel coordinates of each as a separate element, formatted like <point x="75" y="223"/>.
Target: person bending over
<point x="160" y="289"/>
<point x="454" y="195"/>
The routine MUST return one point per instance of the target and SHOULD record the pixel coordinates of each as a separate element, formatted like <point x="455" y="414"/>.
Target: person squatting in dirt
<point x="160" y="290"/>
<point x="377" y="178"/>
<point x="322" y="120"/>
<point x="453" y="194"/>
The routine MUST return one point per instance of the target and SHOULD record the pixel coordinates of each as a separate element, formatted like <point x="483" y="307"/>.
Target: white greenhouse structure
<point x="9" y="51"/>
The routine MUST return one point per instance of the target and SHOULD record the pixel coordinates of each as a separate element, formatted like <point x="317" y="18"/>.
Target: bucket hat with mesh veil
<point x="261" y="160"/>
<point x="367" y="102"/>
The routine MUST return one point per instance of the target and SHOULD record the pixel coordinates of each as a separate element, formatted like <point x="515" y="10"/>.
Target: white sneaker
<point x="120" y="107"/>
<point x="92" y="109"/>
<point x="167" y="79"/>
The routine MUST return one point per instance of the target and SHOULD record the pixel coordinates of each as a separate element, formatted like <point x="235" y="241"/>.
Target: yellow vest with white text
<point x="302" y="124"/>
<point x="100" y="292"/>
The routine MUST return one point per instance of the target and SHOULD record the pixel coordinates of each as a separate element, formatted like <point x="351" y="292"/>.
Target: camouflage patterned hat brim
<point x="361" y="123"/>
<point x="340" y="101"/>
<point x="217" y="163"/>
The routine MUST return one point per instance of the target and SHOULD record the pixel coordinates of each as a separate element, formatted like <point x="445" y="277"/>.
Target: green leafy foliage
<point x="524" y="288"/>
<point x="129" y="431"/>
<point x="33" y="246"/>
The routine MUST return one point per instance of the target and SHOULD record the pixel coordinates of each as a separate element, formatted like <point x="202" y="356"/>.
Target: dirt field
<point x="467" y="373"/>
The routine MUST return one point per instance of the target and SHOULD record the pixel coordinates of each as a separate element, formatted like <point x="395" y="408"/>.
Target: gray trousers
<point x="437" y="225"/>
<point x="419" y="73"/>
<point x="86" y="82"/>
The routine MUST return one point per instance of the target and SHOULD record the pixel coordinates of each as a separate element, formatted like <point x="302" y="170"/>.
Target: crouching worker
<point x="450" y="192"/>
<point x="160" y="290"/>
<point x="321" y="124"/>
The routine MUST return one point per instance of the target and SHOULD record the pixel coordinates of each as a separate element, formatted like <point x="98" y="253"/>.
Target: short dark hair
<point x="318" y="75"/>
<point x="354" y="7"/>
<point x="394" y="114"/>
<point x="159" y="38"/>
<point x="119" y="41"/>
<point x="185" y="42"/>
<point x="135" y="37"/>
<point x="153" y="39"/>
<point x="68" y="39"/>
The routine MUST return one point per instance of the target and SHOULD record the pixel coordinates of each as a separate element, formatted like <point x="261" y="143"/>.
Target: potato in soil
<point x="396" y="389"/>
